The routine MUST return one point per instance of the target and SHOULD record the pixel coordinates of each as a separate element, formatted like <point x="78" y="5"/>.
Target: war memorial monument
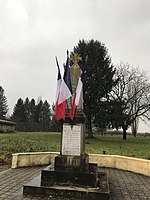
<point x="71" y="175"/>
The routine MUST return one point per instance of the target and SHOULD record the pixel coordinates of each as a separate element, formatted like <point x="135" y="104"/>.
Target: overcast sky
<point x="32" y="32"/>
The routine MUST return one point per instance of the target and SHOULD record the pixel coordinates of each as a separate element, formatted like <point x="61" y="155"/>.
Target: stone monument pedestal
<point x="64" y="184"/>
<point x="71" y="175"/>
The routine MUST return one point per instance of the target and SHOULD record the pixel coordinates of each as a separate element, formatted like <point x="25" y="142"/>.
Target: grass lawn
<point x="27" y="142"/>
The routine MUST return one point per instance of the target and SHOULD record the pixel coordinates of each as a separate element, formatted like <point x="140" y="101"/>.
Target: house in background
<point x="7" y="126"/>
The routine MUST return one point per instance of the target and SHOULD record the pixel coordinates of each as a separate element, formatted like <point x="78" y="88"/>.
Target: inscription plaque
<point x="71" y="140"/>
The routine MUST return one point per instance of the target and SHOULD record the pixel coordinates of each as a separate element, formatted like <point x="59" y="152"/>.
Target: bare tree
<point x="134" y="87"/>
<point x="132" y="94"/>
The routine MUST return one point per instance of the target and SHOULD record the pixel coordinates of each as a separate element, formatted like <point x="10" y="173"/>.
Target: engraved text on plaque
<point x="71" y="140"/>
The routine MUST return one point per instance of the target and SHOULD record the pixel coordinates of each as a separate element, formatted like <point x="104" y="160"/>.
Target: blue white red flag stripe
<point x="65" y="92"/>
<point x="65" y="89"/>
<point x="67" y="77"/>
<point x="59" y="80"/>
<point x="58" y="108"/>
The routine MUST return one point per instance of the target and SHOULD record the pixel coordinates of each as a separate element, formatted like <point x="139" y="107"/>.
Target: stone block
<point x="50" y="176"/>
<point x="72" y="163"/>
<point x="102" y="190"/>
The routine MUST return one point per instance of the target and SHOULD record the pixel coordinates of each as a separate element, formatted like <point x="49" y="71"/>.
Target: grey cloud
<point x="32" y="32"/>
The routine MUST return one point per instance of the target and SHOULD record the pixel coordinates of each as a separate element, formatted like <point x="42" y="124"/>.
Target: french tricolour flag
<point x="64" y="92"/>
<point x="57" y="110"/>
<point x="77" y="95"/>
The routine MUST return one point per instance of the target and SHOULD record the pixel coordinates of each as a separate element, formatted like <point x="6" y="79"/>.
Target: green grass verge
<point x="138" y="147"/>
<point x="27" y="142"/>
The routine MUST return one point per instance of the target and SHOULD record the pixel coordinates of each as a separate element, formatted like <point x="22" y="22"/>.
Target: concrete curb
<point x="136" y="165"/>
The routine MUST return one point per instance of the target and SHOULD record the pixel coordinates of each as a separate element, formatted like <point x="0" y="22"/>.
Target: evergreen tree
<point x="27" y="109"/>
<point x="45" y="116"/>
<point x="98" y="75"/>
<point x="3" y="104"/>
<point x="32" y="109"/>
<point x="38" y="110"/>
<point x="19" y="115"/>
<point x="19" y="111"/>
<point x="55" y="125"/>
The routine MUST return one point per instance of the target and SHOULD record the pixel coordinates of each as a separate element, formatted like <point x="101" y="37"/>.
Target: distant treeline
<point x="31" y="116"/>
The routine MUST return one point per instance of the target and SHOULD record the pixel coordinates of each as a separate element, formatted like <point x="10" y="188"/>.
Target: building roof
<point x="7" y="122"/>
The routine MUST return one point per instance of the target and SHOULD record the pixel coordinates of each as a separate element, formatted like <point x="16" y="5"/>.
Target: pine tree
<point x="32" y="109"/>
<point x="27" y="109"/>
<point x="38" y="111"/>
<point x="46" y="116"/>
<point x="19" y="115"/>
<point x="3" y="104"/>
<point x="19" y="111"/>
<point x="98" y="75"/>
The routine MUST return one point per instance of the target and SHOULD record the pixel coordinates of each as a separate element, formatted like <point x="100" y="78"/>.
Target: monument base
<point x="71" y="175"/>
<point x="70" y="184"/>
<point x="72" y="163"/>
<point x="50" y="177"/>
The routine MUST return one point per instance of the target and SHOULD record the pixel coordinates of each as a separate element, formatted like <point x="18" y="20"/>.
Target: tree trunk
<point x="124" y="133"/>
<point x="134" y="127"/>
<point x="90" y="133"/>
<point x="134" y="133"/>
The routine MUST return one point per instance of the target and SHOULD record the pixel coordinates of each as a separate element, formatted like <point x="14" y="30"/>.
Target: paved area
<point x="123" y="185"/>
<point x="127" y="185"/>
